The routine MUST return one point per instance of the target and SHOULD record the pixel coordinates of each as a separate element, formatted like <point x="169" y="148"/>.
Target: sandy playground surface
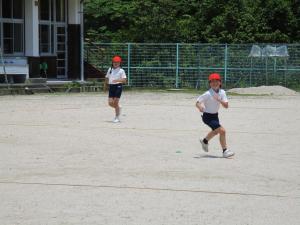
<point x="63" y="162"/>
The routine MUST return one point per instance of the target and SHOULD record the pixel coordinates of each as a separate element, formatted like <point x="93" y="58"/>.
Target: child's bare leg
<point x="222" y="133"/>
<point x="117" y="107"/>
<point x="211" y="134"/>
<point x="111" y="102"/>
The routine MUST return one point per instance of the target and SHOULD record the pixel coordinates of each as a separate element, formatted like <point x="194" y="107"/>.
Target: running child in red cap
<point x="209" y="104"/>
<point x="115" y="77"/>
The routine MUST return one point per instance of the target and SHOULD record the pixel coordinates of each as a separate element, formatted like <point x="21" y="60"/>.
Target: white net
<point x="269" y="51"/>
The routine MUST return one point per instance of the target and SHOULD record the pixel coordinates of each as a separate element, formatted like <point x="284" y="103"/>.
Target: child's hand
<point x="201" y="108"/>
<point x="217" y="97"/>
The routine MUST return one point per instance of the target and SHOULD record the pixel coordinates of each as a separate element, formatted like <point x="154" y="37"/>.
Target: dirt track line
<point x="150" y="189"/>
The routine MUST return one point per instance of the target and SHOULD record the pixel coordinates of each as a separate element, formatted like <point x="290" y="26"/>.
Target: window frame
<point x="13" y="21"/>
<point x="52" y="23"/>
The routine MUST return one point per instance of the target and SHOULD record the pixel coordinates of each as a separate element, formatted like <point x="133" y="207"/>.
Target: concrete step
<point x="36" y="81"/>
<point x="97" y="88"/>
<point x="37" y="88"/>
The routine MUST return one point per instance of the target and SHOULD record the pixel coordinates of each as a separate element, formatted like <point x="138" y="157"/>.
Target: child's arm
<point x="105" y="85"/>
<point x="222" y="102"/>
<point x="200" y="100"/>
<point x="200" y="106"/>
<point x="121" y="80"/>
<point x="106" y="81"/>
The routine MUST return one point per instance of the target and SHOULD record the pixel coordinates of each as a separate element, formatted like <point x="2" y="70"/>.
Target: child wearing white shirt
<point x="209" y="104"/>
<point x="115" y="77"/>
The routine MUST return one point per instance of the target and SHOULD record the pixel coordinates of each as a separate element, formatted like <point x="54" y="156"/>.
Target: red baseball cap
<point x="214" y="76"/>
<point x="117" y="59"/>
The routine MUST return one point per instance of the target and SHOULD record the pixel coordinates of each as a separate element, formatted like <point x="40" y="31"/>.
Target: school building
<point x="41" y="38"/>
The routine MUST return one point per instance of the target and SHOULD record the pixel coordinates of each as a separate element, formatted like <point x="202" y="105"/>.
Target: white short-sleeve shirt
<point x="212" y="105"/>
<point x="115" y="74"/>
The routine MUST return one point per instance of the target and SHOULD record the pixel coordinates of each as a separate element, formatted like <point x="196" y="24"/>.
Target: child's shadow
<point x="208" y="157"/>
<point x="110" y="121"/>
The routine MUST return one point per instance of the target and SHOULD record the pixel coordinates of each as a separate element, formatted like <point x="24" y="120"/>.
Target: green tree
<point x="213" y="21"/>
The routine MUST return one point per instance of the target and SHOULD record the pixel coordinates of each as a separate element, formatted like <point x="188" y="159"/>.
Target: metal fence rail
<point x="177" y="65"/>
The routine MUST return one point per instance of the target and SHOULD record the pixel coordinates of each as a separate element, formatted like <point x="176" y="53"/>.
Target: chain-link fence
<point x="188" y="65"/>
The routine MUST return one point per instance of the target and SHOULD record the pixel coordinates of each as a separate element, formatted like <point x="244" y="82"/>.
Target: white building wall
<point x="74" y="11"/>
<point x="31" y="28"/>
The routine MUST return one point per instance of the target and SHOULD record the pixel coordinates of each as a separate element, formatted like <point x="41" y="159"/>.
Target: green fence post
<point x="128" y="63"/>
<point x="225" y="64"/>
<point x="251" y="63"/>
<point x="266" y="70"/>
<point x="177" y="64"/>
<point x="199" y="69"/>
<point x="285" y="68"/>
<point x="274" y="69"/>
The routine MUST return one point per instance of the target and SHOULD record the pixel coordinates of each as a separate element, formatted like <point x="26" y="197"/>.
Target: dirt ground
<point x="265" y="90"/>
<point x="63" y="162"/>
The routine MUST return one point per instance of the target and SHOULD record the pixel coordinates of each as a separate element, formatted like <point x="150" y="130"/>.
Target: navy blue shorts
<point x="211" y="120"/>
<point x="115" y="90"/>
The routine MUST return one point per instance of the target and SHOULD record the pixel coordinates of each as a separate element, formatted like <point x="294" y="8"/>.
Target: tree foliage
<point x="212" y="21"/>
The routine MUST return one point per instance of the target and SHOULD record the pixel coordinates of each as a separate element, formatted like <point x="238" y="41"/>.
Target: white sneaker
<point x="228" y="153"/>
<point x="116" y="120"/>
<point x="204" y="146"/>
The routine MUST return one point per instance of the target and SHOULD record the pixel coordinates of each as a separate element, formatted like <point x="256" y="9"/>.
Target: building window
<point x="52" y="15"/>
<point x="8" y="38"/>
<point x="7" y="8"/>
<point x="45" y="37"/>
<point x="18" y="9"/>
<point x="45" y="9"/>
<point x="12" y="9"/>
<point x="12" y="26"/>
<point x="52" y="10"/>
<point x="60" y="10"/>
<point x="18" y="37"/>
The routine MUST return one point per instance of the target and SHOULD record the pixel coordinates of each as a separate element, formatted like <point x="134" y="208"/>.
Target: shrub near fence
<point x="177" y="65"/>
